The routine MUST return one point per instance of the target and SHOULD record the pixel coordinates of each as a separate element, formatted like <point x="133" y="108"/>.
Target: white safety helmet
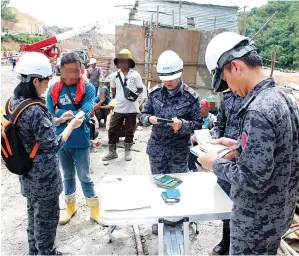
<point x="221" y="50"/>
<point x="92" y="61"/>
<point x="169" y="66"/>
<point x="33" y="64"/>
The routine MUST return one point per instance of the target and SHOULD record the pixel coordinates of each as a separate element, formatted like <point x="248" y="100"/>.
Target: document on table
<point x="124" y="197"/>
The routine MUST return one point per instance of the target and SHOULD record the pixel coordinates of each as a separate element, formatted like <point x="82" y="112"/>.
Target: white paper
<point x="80" y="114"/>
<point x="202" y="136"/>
<point x="125" y="197"/>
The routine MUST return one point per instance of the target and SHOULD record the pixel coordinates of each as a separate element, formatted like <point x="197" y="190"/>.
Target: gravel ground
<point x="81" y="236"/>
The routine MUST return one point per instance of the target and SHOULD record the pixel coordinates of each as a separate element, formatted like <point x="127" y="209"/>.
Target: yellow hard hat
<point x="125" y="54"/>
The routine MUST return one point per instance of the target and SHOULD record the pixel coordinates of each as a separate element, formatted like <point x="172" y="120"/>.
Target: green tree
<point x="6" y="13"/>
<point x="281" y="35"/>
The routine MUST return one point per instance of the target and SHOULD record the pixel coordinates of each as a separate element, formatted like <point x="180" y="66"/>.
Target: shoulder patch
<point x="159" y="86"/>
<point x="191" y="91"/>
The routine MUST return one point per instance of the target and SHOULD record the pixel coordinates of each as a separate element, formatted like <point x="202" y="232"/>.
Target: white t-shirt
<point x="143" y="95"/>
<point x="134" y="82"/>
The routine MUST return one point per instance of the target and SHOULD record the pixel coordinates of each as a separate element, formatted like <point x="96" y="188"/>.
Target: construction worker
<point x="42" y="184"/>
<point x="73" y="93"/>
<point x="102" y="107"/>
<point x="126" y="84"/>
<point x="94" y="74"/>
<point x="212" y="105"/>
<point x="208" y="118"/>
<point x="264" y="178"/>
<point x="227" y="126"/>
<point x="13" y="62"/>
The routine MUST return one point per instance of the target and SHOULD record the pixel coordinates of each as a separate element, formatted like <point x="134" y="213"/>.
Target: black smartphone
<point x="163" y="120"/>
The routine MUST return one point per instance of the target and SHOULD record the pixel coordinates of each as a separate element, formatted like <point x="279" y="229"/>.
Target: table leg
<point x="110" y="231"/>
<point x="186" y="238"/>
<point x="160" y="238"/>
<point x="197" y="228"/>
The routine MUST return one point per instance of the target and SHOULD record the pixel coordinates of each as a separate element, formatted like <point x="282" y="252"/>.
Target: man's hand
<point x="207" y="160"/>
<point x="230" y="156"/>
<point x="152" y="120"/>
<point x="230" y="143"/>
<point x="176" y="125"/>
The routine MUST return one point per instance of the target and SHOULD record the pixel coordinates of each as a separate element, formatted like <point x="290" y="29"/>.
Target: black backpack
<point x="13" y="151"/>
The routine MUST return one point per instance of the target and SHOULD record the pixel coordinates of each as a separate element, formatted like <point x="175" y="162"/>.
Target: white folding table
<point x="201" y="200"/>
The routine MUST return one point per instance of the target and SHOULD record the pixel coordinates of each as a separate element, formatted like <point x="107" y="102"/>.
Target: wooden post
<point x="273" y="63"/>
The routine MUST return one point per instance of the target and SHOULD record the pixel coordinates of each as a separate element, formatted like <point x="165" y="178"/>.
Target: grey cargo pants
<point x="43" y="217"/>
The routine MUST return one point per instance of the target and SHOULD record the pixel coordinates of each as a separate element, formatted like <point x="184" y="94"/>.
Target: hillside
<point x="25" y="24"/>
<point x="281" y="35"/>
<point x="101" y="45"/>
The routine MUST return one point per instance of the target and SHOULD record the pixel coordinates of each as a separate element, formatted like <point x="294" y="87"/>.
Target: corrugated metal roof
<point x="206" y="17"/>
<point x="193" y="3"/>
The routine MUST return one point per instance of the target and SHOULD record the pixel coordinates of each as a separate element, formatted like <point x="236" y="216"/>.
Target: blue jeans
<point x="72" y="160"/>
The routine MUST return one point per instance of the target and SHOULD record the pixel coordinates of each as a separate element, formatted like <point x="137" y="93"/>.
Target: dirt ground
<point x="81" y="236"/>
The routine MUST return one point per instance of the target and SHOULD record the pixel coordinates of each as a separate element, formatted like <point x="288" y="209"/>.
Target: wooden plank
<point x="184" y="42"/>
<point x="132" y="38"/>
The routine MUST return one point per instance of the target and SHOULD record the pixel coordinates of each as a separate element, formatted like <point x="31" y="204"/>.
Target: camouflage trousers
<point x="166" y="161"/>
<point x="241" y="247"/>
<point x="43" y="217"/>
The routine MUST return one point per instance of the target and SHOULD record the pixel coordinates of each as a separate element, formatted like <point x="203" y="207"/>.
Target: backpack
<point x="13" y="152"/>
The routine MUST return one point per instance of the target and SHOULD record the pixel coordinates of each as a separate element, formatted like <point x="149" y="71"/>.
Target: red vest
<point x="58" y="86"/>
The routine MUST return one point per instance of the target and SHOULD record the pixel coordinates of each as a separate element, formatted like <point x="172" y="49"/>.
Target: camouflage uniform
<point x="42" y="184"/>
<point x="227" y="124"/>
<point x="168" y="151"/>
<point x="264" y="178"/>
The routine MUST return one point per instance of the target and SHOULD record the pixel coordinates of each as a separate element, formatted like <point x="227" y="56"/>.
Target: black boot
<point x="32" y="252"/>
<point x="55" y="252"/>
<point x="223" y="247"/>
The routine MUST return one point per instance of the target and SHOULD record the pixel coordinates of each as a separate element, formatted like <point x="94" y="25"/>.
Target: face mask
<point x="172" y="92"/>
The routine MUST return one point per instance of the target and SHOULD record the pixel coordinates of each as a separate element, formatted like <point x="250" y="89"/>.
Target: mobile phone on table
<point x="163" y="120"/>
<point x="169" y="200"/>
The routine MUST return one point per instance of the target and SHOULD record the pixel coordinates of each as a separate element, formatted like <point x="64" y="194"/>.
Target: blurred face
<point x="40" y="86"/>
<point x="204" y="111"/>
<point x="172" y="84"/>
<point x="123" y="64"/>
<point x="70" y="73"/>
<point x="94" y="65"/>
<point x="102" y="95"/>
<point x="212" y="105"/>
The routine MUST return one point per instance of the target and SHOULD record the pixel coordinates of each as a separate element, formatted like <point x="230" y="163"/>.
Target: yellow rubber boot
<point x="70" y="210"/>
<point x="94" y="206"/>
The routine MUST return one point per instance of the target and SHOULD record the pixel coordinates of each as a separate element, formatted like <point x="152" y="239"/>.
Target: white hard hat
<point x="169" y="66"/>
<point x="221" y="50"/>
<point x="92" y="61"/>
<point x="34" y="64"/>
